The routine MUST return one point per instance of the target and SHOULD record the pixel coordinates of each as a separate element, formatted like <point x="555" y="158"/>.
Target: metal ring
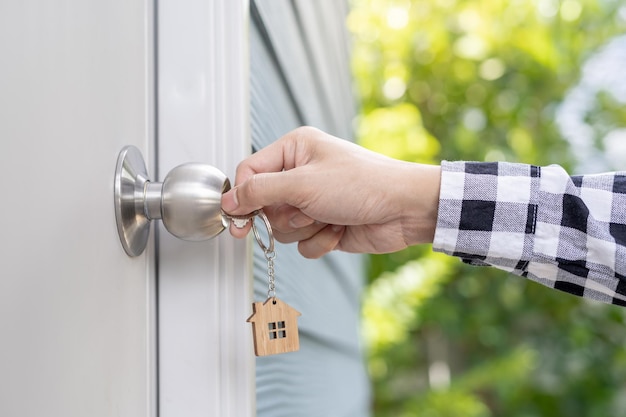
<point x="257" y="236"/>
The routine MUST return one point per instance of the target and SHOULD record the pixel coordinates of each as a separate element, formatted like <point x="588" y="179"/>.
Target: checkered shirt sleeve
<point x="568" y="233"/>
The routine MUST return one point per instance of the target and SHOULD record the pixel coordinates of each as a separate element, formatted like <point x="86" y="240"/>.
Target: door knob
<point x="188" y="201"/>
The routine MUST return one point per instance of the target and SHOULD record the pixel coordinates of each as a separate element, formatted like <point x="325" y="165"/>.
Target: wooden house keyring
<point x="274" y="327"/>
<point x="274" y="323"/>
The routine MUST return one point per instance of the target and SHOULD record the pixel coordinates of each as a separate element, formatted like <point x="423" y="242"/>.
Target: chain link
<point x="268" y="252"/>
<point x="271" y="273"/>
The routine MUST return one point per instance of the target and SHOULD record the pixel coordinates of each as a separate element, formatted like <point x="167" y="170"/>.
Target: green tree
<point x="482" y="80"/>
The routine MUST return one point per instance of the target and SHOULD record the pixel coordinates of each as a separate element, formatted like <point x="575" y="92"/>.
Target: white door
<point x="80" y="334"/>
<point x="76" y="85"/>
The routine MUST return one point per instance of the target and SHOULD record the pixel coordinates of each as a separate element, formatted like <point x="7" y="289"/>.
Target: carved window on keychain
<point x="277" y="330"/>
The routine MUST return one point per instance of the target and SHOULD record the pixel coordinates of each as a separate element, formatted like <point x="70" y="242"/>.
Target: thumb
<point x="260" y="190"/>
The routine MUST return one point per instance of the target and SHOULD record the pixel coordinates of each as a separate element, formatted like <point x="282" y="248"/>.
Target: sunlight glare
<point x="492" y="69"/>
<point x="471" y="47"/>
<point x="571" y="10"/>
<point x="394" y="88"/>
<point x="397" y="17"/>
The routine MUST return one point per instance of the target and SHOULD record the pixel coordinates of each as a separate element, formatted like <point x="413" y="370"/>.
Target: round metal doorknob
<point x="188" y="201"/>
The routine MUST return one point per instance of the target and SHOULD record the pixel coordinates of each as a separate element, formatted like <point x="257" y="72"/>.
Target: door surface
<point x="76" y="85"/>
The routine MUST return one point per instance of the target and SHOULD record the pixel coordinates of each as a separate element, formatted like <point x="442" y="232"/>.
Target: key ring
<point x="268" y="250"/>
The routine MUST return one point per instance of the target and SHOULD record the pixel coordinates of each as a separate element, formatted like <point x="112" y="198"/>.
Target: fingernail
<point x="299" y="220"/>
<point x="230" y="202"/>
<point x="337" y="228"/>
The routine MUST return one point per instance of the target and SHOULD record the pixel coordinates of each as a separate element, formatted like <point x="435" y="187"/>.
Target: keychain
<point x="274" y="322"/>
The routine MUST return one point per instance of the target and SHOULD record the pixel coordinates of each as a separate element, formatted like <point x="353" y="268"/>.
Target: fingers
<point x="284" y="154"/>
<point x="322" y="242"/>
<point x="266" y="177"/>
<point x="301" y="234"/>
<point x="291" y="150"/>
<point x="286" y="218"/>
<point x="315" y="239"/>
<point x="288" y="223"/>
<point x="261" y="190"/>
<point x="274" y="177"/>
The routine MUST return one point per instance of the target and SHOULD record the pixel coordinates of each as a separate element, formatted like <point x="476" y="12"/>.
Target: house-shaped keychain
<point x="274" y="327"/>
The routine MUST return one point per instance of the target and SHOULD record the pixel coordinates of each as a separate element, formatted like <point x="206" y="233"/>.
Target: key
<point x="240" y="223"/>
<point x="242" y="220"/>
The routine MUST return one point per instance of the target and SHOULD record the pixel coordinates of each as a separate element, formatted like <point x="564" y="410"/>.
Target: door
<point x="76" y="313"/>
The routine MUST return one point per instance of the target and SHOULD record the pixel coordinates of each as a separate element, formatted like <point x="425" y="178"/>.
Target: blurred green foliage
<point x="481" y="80"/>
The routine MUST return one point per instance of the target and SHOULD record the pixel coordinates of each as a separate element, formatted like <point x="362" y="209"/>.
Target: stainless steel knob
<point x="188" y="201"/>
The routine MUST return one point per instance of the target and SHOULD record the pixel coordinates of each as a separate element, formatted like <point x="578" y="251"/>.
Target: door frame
<point x="206" y="363"/>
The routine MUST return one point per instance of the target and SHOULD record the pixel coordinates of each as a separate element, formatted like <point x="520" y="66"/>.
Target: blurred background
<point x="534" y="81"/>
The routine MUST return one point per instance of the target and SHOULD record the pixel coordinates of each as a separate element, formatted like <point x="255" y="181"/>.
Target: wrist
<point x="420" y="202"/>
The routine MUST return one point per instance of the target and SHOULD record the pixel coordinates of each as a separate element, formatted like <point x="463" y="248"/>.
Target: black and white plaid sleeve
<point x="568" y="233"/>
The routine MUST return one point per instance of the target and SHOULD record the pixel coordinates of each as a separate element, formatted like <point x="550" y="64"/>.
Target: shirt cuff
<point x="486" y="213"/>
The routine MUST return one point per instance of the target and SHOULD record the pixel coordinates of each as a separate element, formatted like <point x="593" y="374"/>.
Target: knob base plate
<point x="131" y="178"/>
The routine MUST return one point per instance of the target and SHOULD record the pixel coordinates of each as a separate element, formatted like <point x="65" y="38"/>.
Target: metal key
<point x="242" y="220"/>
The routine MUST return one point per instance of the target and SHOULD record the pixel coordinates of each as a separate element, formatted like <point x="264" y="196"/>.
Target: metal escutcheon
<point x="188" y="201"/>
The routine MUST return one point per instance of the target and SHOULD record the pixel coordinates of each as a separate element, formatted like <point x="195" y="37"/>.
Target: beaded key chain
<point x="274" y="322"/>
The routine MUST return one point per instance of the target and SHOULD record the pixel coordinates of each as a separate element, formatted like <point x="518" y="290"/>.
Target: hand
<point x="330" y="194"/>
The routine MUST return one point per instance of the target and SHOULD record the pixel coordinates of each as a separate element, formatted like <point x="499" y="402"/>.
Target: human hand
<point x="330" y="194"/>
